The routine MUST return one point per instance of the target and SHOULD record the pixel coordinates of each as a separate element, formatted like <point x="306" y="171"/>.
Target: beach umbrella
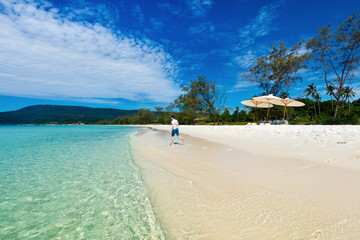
<point x="287" y="102"/>
<point x="267" y="99"/>
<point x="256" y="104"/>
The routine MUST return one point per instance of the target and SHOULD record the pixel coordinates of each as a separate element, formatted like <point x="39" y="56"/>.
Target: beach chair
<point x="275" y="122"/>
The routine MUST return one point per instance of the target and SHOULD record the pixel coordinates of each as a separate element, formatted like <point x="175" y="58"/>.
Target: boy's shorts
<point x="175" y="131"/>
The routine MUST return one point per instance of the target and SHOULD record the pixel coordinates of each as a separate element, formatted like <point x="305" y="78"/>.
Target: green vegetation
<point x="45" y="114"/>
<point x="201" y="100"/>
<point x="336" y="56"/>
<point x="277" y="71"/>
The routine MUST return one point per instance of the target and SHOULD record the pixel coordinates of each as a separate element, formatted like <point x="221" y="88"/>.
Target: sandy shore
<point x="257" y="182"/>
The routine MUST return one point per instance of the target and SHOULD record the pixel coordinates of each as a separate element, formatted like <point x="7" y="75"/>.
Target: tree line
<point x="314" y="112"/>
<point x="332" y="56"/>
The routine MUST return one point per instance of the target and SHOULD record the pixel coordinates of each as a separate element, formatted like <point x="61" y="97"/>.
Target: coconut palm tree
<point x="349" y="94"/>
<point x="330" y="90"/>
<point x="311" y="91"/>
<point x="318" y="98"/>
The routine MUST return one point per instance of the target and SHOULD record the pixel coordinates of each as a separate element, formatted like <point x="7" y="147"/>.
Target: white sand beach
<point x="253" y="182"/>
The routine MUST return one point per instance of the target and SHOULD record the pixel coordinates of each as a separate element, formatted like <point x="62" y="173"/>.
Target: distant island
<point x="57" y="114"/>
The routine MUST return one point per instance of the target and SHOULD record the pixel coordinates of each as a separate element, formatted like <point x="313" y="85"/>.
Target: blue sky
<point x="136" y="54"/>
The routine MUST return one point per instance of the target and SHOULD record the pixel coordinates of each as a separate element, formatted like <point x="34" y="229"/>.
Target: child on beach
<point x="175" y="130"/>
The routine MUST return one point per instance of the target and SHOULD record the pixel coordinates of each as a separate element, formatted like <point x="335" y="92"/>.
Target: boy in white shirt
<point x="175" y="129"/>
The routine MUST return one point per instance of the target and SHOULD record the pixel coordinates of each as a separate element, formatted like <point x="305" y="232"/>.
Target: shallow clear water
<point x="72" y="182"/>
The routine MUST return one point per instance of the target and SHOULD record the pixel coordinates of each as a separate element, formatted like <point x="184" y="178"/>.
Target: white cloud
<point x="246" y="60"/>
<point x="137" y="12"/>
<point x="156" y="24"/>
<point x="302" y="51"/>
<point x="200" y="28"/>
<point x="45" y="54"/>
<point x="200" y="7"/>
<point x="192" y="8"/>
<point x="242" y="84"/>
<point x="97" y="101"/>
<point x="260" y="26"/>
<point x="171" y="8"/>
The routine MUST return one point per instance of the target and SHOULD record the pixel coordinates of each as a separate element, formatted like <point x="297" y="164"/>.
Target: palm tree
<point x="318" y="98"/>
<point x="349" y="94"/>
<point x="330" y="90"/>
<point x="237" y="114"/>
<point x="311" y="91"/>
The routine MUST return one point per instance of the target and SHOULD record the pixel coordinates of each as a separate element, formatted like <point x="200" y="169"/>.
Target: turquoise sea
<point x="72" y="182"/>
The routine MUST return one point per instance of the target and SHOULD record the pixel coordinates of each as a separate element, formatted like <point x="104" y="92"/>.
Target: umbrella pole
<point x="254" y="114"/>
<point x="284" y="113"/>
<point x="267" y="115"/>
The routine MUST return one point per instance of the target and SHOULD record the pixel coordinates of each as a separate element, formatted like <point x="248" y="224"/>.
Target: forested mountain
<point x="42" y="114"/>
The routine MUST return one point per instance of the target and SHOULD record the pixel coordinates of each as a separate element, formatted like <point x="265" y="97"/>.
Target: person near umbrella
<point x="175" y="130"/>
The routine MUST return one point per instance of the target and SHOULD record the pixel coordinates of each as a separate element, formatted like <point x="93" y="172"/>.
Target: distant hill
<point x="42" y="114"/>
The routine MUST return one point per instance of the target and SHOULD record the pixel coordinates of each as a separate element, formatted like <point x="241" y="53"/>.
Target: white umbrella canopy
<point x="257" y="104"/>
<point x="267" y="99"/>
<point x="287" y="102"/>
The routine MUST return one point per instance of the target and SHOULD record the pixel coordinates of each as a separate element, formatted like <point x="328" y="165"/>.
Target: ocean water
<point x="72" y="182"/>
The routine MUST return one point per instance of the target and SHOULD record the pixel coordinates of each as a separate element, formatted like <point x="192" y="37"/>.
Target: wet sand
<point x="209" y="190"/>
